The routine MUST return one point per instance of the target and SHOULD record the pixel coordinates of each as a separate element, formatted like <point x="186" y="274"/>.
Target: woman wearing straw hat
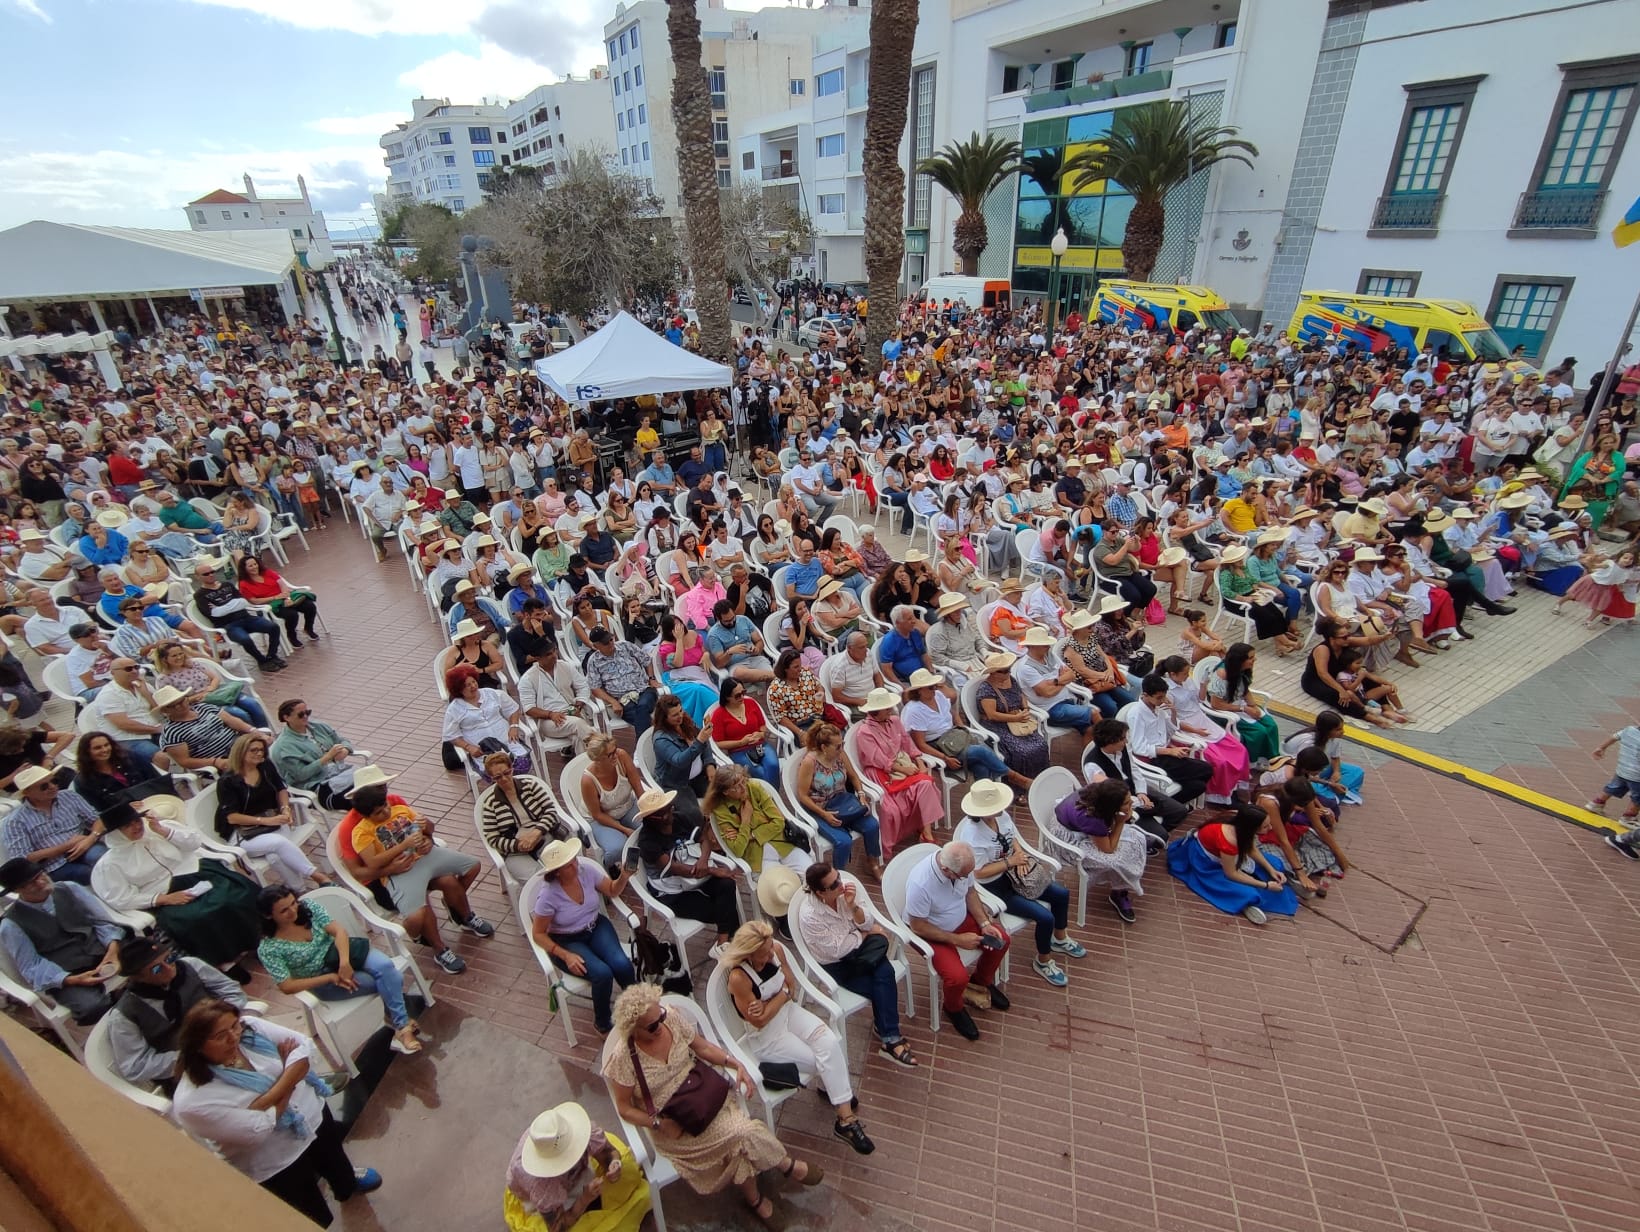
<point x="568" y="923"/>
<point x="678" y="866"/>
<point x="1265" y="605"/>
<point x="562" y="1166"/>
<point x="652" y="1052"/>
<point x="1026" y="888"/>
<point x="911" y="801"/>
<point x="763" y="988"/>
<point x="1004" y="711"/>
<point x="470" y="648"/>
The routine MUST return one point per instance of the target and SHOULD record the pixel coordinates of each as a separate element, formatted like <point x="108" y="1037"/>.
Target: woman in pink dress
<point x="911" y="800"/>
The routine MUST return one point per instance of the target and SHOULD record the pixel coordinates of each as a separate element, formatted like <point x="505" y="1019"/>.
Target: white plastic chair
<point x="1047" y="790"/>
<point x="343" y="1027"/>
<point x="567" y="985"/>
<point x="199" y="813"/>
<point x="50" y="1015"/>
<point x="680" y="929"/>
<point x="99" y="1062"/>
<point x="849" y="1003"/>
<point x="732" y="1028"/>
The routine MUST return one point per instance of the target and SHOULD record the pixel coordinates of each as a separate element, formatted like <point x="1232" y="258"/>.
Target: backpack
<point x="659" y="962"/>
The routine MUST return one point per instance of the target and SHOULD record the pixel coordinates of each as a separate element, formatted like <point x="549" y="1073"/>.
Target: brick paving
<point x="1443" y="1043"/>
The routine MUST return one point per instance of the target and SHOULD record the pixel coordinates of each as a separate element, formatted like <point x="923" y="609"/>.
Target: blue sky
<point x="124" y="110"/>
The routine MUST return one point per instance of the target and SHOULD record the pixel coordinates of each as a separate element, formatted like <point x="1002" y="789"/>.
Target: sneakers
<point x="450" y="961"/>
<point x="1596" y="806"/>
<point x="963" y="1021"/>
<point x="854" y="1134"/>
<point x="1123" y="906"/>
<point x="475" y="924"/>
<point x="1616" y="843"/>
<point x="366" y="1180"/>
<point x="1069" y="948"/>
<point x="1254" y="915"/>
<point x="1049" y="971"/>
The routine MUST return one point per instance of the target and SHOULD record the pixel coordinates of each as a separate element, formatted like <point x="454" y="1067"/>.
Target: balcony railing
<point x="1408" y="212"/>
<point x="856" y="220"/>
<point x="780" y="171"/>
<point x="857" y="95"/>
<point x="1559" y="209"/>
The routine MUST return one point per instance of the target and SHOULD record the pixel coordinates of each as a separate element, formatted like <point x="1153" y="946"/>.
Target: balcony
<point x="779" y="171"/>
<point x="856" y="160"/>
<point x="1151" y="82"/>
<point x="1563" y="211"/>
<point x="857" y="220"/>
<point x="857" y="96"/>
<point x="1407" y="214"/>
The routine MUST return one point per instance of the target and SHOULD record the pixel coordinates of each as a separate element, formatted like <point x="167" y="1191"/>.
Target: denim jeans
<point x="902" y="502"/>
<point x="378" y="976"/>
<point x="292" y="504"/>
<point x="1294" y="598"/>
<point x="249" y="709"/>
<point x="79" y="871"/>
<point x="1071" y="714"/>
<point x="143" y="750"/>
<point x="240" y="633"/>
<point x="641" y="712"/>
<point x="1112" y="700"/>
<point x="766" y="767"/>
<point x="984" y="762"/>
<point x="1049" y="913"/>
<point x="880" y="988"/>
<point x="716" y="456"/>
<point x="857" y="819"/>
<point x="607" y="966"/>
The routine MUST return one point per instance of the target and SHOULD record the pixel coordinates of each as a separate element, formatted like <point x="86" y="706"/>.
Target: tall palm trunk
<point x="1142" y="241"/>
<point x="697" y="175"/>
<point x="893" y="28"/>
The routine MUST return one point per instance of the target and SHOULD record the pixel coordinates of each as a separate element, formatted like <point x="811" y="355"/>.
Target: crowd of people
<point x="761" y="704"/>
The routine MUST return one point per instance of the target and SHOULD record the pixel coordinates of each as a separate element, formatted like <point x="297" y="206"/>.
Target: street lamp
<point x="1057" y="247"/>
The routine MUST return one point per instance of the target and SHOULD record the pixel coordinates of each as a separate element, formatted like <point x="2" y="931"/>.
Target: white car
<point x="823" y="329"/>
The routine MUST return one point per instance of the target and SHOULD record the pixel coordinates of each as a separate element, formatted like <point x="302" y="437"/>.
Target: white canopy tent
<point x="625" y="359"/>
<point x="98" y="345"/>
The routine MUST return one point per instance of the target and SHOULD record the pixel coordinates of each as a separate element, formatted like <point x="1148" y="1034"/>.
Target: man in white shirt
<point x="809" y="481"/>
<point x="555" y="694"/>
<point x="1153" y="735"/>
<point x="1048" y="684"/>
<point x="124" y="712"/>
<point x="944" y="908"/>
<point x="46" y="631"/>
<point x="383" y="510"/>
<point x="40" y="561"/>
<point x="469" y="467"/>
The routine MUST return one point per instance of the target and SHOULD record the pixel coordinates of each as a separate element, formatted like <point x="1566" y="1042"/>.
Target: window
<point x="626" y="80"/>
<point x="748" y="162"/>
<point x="1064" y="74"/>
<point x="1010" y="78"/>
<point x="620" y="121"/>
<point x="794" y="87"/>
<point x="621" y="42"/>
<point x="720" y="138"/>
<point x="298" y="232"/>
<point x="457" y="204"/>
<point x="828" y="83"/>
<point x="829" y="146"/>
<point x="1226" y="35"/>
<point x="1590" y="124"/>
<point x="723" y="177"/>
<point x="637" y="74"/>
<point x="831" y="203"/>
<point x="646" y="151"/>
<point x="631" y="118"/>
<point x="643" y="114"/>
<point x="1525" y="311"/>
<point x="612" y="51"/>
<point x="634" y="33"/>
<point x="1397" y="283"/>
<point x="1138" y="59"/>
<point x="442" y="137"/>
<point x="717" y="82"/>
<point x="199" y="215"/>
<point x="478" y="136"/>
<point x="483" y="181"/>
<point x="617" y="82"/>
<point x="1431" y="131"/>
<point x="483" y="158"/>
<point x="922" y="144"/>
<point x="396" y="150"/>
<point x="450" y="160"/>
<point x="228" y="214"/>
<point x="624" y="159"/>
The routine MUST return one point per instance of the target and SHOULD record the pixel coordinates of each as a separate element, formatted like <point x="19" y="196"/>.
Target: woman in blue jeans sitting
<point x="304" y="950"/>
<point x="742" y="731"/>
<point x="567" y="921"/>
<point x="829" y="789"/>
<point x="998" y="857"/>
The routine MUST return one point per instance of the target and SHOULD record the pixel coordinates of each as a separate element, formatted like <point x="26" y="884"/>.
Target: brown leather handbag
<point x="695" y="1104"/>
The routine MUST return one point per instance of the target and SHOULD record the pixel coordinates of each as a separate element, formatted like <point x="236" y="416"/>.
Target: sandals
<point x="764" y="1209"/>
<point x="900" y="1053"/>
<point x="812" y="1177"/>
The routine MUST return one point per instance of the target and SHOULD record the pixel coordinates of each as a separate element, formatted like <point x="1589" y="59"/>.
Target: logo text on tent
<point x="588" y="393"/>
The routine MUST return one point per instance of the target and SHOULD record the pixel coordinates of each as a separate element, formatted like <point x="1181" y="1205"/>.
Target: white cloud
<point x="372" y="125"/>
<point x="493" y="73"/>
<point x="31" y="9"/>
<point x="148" y="188"/>
<point x="355" y="16"/>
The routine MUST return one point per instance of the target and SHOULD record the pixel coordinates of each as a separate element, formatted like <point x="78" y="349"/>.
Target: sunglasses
<point x="159" y="964"/>
<point x="302" y="714"/>
<point x="654" y="1028"/>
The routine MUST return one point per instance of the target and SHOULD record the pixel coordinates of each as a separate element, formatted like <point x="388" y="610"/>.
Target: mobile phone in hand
<point x="631" y="860"/>
<point x="990" y="941"/>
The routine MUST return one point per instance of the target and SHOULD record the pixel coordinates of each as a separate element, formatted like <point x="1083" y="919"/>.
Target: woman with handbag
<point x="667" y="1080"/>
<point x="829" y="789"/>
<point x="784" y="1036"/>
<point x="304" y="950"/>
<point x="260" y="585"/>
<point x="1024" y="884"/>
<point x="749" y="824"/>
<point x="911" y="803"/>
<point x="1004" y="712"/>
<point x="203" y="680"/>
<point x="253" y="811"/>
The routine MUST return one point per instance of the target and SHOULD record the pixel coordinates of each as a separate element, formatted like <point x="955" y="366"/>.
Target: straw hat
<point x="1115" y="603"/>
<point x="1303" y="515"/>
<point x="1571" y="502"/>
<point x="1465" y="515"/>
<point x="1080" y="619"/>
<point x="1038" y="636"/>
<point x="922" y="678"/>
<point x="452" y="494"/>
<point x="1172" y="556"/>
<point x="987" y="798"/>
<point x="828" y="588"/>
<point x="30" y="535"/>
<point x="782" y="527"/>
<point x="1011" y="586"/>
<point x="467" y="628"/>
<point x="519" y="570"/>
<point x="777" y="885"/>
<point x="915" y="556"/>
<point x="465" y="587"/>
<point x="482" y="519"/>
<point x="1234" y="554"/>
<point x="1276" y="534"/>
<point x="559" y="852"/>
<point x="1368" y="556"/>
<point x="368" y="776"/>
<point x="556" y="1141"/>
<point x="484" y="541"/>
<point x="1515" y="500"/>
<point x="28" y="776"/>
<point x="1564" y="532"/>
<point x="168" y="696"/>
<point x="654" y="800"/>
<point x="950" y="602"/>
<point x="880" y="699"/>
<point x="113" y="518"/>
<point x="1438" y="522"/>
<point x="1372" y="624"/>
<point x="1001" y="661"/>
<point x="1374" y="506"/>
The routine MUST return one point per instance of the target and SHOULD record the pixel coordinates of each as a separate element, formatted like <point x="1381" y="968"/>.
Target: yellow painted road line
<point x="1575" y="814"/>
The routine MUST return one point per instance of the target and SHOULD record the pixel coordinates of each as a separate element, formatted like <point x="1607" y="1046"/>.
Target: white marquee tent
<point x="625" y="359"/>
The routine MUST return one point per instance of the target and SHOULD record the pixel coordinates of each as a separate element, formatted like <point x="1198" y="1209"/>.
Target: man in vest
<point x="161" y="988"/>
<point x="60" y="938"/>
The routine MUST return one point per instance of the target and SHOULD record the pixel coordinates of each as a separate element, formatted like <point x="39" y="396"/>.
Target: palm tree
<point x="969" y="170"/>
<point x="1045" y="167"/>
<point x="1151" y="149"/>
<point x="697" y="175"/>
<point x="888" y="98"/>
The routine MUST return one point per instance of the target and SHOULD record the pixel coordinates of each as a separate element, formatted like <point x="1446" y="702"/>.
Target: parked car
<point x="816" y="330"/>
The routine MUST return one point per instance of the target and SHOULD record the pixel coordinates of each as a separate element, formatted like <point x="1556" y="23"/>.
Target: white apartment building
<point x="444" y="154"/>
<point x="758" y="65"/>
<point x="223" y="210"/>
<point x="553" y="122"/>
<point x="1476" y="150"/>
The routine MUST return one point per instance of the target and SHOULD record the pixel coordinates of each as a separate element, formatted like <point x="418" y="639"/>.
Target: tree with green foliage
<point x="1150" y="150"/>
<point x="969" y="170"/>
<point x="435" y="234"/>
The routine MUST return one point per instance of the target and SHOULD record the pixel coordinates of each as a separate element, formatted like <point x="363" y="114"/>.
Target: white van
<point x="977" y="293"/>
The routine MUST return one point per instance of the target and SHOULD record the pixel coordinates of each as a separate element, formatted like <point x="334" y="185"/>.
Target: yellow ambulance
<point x="1443" y="327"/>
<point x="1159" y="305"/>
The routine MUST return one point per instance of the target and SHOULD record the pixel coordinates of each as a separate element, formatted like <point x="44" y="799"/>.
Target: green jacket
<point x="297" y="757"/>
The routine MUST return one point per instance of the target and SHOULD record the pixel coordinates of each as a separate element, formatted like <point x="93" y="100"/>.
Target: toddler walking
<point x="1625" y="784"/>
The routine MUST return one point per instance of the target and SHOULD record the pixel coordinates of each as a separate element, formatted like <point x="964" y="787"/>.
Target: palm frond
<point x="1152" y="148"/>
<point x="970" y="169"/>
